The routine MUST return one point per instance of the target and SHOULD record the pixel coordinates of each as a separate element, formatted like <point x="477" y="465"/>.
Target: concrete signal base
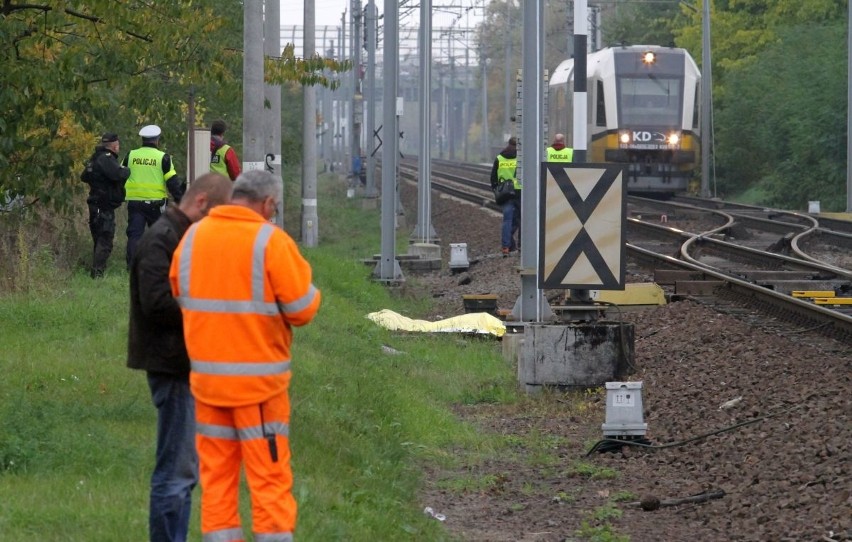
<point x="575" y="355"/>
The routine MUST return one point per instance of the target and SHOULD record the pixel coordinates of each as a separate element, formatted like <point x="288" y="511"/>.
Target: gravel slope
<point x="785" y="478"/>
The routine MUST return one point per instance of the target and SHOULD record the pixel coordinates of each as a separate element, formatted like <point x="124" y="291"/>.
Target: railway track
<point x="724" y="254"/>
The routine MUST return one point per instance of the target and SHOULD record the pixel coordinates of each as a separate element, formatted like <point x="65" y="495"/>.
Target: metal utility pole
<point x="388" y="269"/>
<point x="485" y="150"/>
<point x="272" y="119"/>
<point x="253" y="155"/>
<point x="507" y="66"/>
<point x="357" y="98"/>
<point x="706" y="101"/>
<point x="371" y="23"/>
<point x="424" y="233"/>
<point x="310" y="219"/>
<point x="531" y="306"/>
<point x="466" y="110"/>
<point x="580" y="70"/>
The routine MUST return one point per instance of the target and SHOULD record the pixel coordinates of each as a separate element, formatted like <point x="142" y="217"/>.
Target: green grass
<point x="77" y="427"/>
<point x="754" y="195"/>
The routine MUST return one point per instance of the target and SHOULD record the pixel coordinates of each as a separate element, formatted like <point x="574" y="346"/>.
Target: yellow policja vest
<point x="217" y="161"/>
<point x="147" y="180"/>
<point x="506" y="170"/>
<point x="564" y="155"/>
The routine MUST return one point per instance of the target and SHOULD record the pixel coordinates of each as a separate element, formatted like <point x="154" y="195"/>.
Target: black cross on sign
<point x="581" y="232"/>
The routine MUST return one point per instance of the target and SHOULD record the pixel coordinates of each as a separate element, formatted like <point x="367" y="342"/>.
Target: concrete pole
<point x="272" y="93"/>
<point x="388" y="269"/>
<point x="423" y="232"/>
<point x="706" y="102"/>
<point x="253" y="155"/>
<point x="310" y="219"/>
<point x="370" y="27"/>
<point x="530" y="306"/>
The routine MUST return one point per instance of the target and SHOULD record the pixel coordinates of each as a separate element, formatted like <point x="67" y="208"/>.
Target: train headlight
<point x="673" y="138"/>
<point x="649" y="57"/>
<point x="624" y="137"/>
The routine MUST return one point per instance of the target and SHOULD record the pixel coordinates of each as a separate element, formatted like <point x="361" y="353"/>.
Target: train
<point x="643" y="111"/>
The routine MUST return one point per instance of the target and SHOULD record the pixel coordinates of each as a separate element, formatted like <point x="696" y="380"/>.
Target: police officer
<point x="106" y="178"/>
<point x="223" y="157"/>
<point x="505" y="169"/>
<point x="152" y="180"/>
<point x="558" y="152"/>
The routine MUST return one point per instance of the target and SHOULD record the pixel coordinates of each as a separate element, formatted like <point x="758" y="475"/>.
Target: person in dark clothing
<point x="504" y="169"/>
<point x="156" y="345"/>
<point x="105" y="177"/>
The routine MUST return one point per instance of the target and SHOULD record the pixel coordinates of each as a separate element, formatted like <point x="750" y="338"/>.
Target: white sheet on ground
<point x="477" y="322"/>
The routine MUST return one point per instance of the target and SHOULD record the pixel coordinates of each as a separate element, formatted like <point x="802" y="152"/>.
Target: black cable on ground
<point x="611" y="444"/>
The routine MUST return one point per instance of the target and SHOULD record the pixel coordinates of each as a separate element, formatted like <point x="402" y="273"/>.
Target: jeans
<point x="511" y="223"/>
<point x="176" y="470"/>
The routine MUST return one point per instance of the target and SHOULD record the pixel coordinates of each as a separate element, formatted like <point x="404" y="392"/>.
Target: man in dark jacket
<point x="105" y="177"/>
<point x="504" y="169"/>
<point x="156" y="345"/>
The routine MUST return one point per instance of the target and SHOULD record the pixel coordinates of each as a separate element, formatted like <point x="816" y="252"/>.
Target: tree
<point x="782" y="106"/>
<point x="75" y="70"/>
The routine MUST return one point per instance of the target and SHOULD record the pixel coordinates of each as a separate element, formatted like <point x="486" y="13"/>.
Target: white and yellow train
<point x="643" y="111"/>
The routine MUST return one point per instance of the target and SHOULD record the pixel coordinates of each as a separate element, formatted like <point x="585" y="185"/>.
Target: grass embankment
<point x="77" y="428"/>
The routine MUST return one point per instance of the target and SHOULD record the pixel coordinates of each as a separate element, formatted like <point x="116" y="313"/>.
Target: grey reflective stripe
<point x="258" y="275"/>
<point x="217" y="431"/>
<point x="232" y="307"/>
<point x="239" y="368"/>
<point x="301" y="303"/>
<point x="258" y="261"/>
<point x="225" y="432"/>
<point x="273" y="537"/>
<point x="223" y="535"/>
<point x="186" y="263"/>
<point x="272" y="428"/>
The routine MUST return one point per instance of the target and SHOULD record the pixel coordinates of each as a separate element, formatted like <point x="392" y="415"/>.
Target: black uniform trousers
<point x="102" y="227"/>
<point x="140" y="214"/>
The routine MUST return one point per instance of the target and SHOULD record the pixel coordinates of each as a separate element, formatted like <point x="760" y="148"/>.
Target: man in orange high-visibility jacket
<point x="242" y="283"/>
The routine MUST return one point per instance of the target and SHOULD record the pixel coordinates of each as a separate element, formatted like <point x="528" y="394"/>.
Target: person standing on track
<point x="504" y="169"/>
<point x="156" y="345"/>
<point x="105" y="177"/>
<point x="223" y="157"/>
<point x="558" y="152"/>
<point x="242" y="284"/>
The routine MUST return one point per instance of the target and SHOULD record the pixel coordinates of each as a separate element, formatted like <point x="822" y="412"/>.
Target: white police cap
<point x="150" y="131"/>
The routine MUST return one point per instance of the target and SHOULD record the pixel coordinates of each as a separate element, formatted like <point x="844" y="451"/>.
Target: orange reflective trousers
<point x="227" y="437"/>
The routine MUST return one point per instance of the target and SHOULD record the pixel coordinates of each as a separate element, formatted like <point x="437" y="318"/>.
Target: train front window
<point x="650" y="101"/>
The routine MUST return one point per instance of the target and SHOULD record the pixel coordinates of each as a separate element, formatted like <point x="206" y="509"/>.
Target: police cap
<point x="109" y="137"/>
<point x="150" y="132"/>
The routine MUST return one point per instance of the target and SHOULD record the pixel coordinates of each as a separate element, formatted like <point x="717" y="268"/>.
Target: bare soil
<point x="786" y="477"/>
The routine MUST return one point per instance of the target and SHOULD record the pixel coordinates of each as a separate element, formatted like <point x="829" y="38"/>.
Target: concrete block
<point x="581" y="355"/>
